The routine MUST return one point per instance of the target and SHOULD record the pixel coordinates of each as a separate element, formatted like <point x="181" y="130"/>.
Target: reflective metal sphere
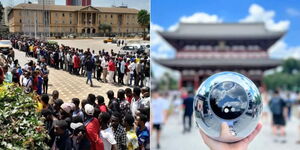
<point x="231" y="98"/>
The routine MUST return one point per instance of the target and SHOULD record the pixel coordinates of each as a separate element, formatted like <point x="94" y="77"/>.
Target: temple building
<point x="205" y="49"/>
<point x="52" y="20"/>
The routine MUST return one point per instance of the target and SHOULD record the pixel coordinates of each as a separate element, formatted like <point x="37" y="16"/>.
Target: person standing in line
<point x="132" y="140"/>
<point x="106" y="133"/>
<point x="45" y="73"/>
<point x="131" y="67"/>
<point x="104" y="65"/>
<point x="111" y="70"/>
<point x="127" y="72"/>
<point x="89" y="64"/>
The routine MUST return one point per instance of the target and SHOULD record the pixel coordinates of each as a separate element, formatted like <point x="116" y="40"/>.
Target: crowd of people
<point x="120" y="124"/>
<point x="132" y="69"/>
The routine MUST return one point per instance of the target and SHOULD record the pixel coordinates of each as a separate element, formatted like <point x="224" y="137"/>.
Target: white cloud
<point x="159" y="48"/>
<point x="293" y="12"/>
<point x="281" y="50"/>
<point x="259" y="14"/>
<point x="199" y="17"/>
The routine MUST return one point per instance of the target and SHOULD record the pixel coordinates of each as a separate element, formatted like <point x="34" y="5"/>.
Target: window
<point x="111" y="16"/>
<point x="56" y="14"/>
<point x="99" y="16"/>
<point x="63" y="22"/>
<point x="128" y="16"/>
<point x="20" y="20"/>
<point x="111" y="23"/>
<point x="70" y="14"/>
<point x="63" y="14"/>
<point x="56" y="22"/>
<point x="132" y="16"/>
<point x="71" y="22"/>
<point x="70" y="29"/>
<point x="105" y="16"/>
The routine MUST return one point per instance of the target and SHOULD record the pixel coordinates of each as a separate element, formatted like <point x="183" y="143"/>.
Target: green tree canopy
<point x="144" y="20"/>
<point x="105" y="28"/>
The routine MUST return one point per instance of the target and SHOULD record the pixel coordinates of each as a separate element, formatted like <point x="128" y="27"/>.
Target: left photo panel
<point x="75" y="74"/>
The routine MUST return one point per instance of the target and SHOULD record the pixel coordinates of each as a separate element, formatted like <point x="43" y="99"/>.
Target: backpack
<point x="275" y="105"/>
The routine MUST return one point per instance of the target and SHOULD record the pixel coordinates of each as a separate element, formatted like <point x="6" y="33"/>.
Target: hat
<point x="89" y="109"/>
<point x="67" y="107"/>
<point x="75" y="125"/>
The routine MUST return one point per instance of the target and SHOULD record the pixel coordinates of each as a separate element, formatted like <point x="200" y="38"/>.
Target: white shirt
<point x="26" y="82"/>
<point x="131" y="67"/>
<point x="108" y="138"/>
<point x="158" y="107"/>
<point x="104" y="64"/>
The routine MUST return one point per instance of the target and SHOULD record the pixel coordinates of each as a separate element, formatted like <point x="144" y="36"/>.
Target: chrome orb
<point x="231" y="98"/>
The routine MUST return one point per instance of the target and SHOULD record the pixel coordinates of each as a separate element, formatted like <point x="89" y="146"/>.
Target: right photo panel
<point x="225" y="75"/>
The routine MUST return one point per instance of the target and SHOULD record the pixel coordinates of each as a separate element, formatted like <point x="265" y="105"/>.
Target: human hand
<point x="225" y="132"/>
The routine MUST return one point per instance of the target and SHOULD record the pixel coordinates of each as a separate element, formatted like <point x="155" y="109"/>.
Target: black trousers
<point x="187" y="117"/>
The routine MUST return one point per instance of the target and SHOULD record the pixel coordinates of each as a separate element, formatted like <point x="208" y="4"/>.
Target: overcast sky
<point x="138" y="4"/>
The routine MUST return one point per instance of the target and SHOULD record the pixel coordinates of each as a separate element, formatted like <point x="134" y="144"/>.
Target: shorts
<point x="278" y="120"/>
<point x="157" y="127"/>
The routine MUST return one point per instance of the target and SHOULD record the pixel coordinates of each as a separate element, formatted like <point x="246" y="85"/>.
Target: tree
<point x="1" y="11"/>
<point x="144" y="20"/>
<point x="104" y="28"/>
<point x="290" y="65"/>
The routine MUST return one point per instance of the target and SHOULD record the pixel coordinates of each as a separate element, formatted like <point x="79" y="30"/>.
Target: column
<point x="86" y="19"/>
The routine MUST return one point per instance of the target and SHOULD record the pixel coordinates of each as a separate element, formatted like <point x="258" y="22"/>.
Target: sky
<point x="138" y="4"/>
<point x="276" y="14"/>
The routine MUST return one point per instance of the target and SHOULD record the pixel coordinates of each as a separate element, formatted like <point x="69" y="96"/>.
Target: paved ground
<point x="172" y="137"/>
<point x="71" y="86"/>
<point x="96" y="44"/>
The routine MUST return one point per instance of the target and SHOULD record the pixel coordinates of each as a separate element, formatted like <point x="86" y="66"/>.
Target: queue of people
<point x="131" y="69"/>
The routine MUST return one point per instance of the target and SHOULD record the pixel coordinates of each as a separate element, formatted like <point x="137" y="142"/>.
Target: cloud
<point x="259" y="14"/>
<point x="159" y="47"/>
<point x="281" y="50"/>
<point x="199" y="17"/>
<point x="293" y="12"/>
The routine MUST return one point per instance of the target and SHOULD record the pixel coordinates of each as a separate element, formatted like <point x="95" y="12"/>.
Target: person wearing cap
<point x="62" y="139"/>
<point x="66" y="111"/>
<point x="106" y="132"/>
<point x="92" y="127"/>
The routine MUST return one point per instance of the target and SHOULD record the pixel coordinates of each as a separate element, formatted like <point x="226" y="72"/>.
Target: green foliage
<point x="290" y="65"/>
<point x="1" y="11"/>
<point x="167" y="82"/>
<point x="105" y="28"/>
<point x="20" y="126"/>
<point x="144" y="19"/>
<point x="288" y="79"/>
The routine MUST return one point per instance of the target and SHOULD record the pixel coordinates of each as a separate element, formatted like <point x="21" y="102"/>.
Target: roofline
<point x="82" y="7"/>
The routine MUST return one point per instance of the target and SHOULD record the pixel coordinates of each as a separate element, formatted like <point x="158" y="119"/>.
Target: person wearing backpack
<point x="279" y="115"/>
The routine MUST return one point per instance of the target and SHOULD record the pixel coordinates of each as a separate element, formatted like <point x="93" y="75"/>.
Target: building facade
<point x="46" y="2"/>
<point x="205" y="49"/>
<point x="78" y="2"/>
<point x="56" y="20"/>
